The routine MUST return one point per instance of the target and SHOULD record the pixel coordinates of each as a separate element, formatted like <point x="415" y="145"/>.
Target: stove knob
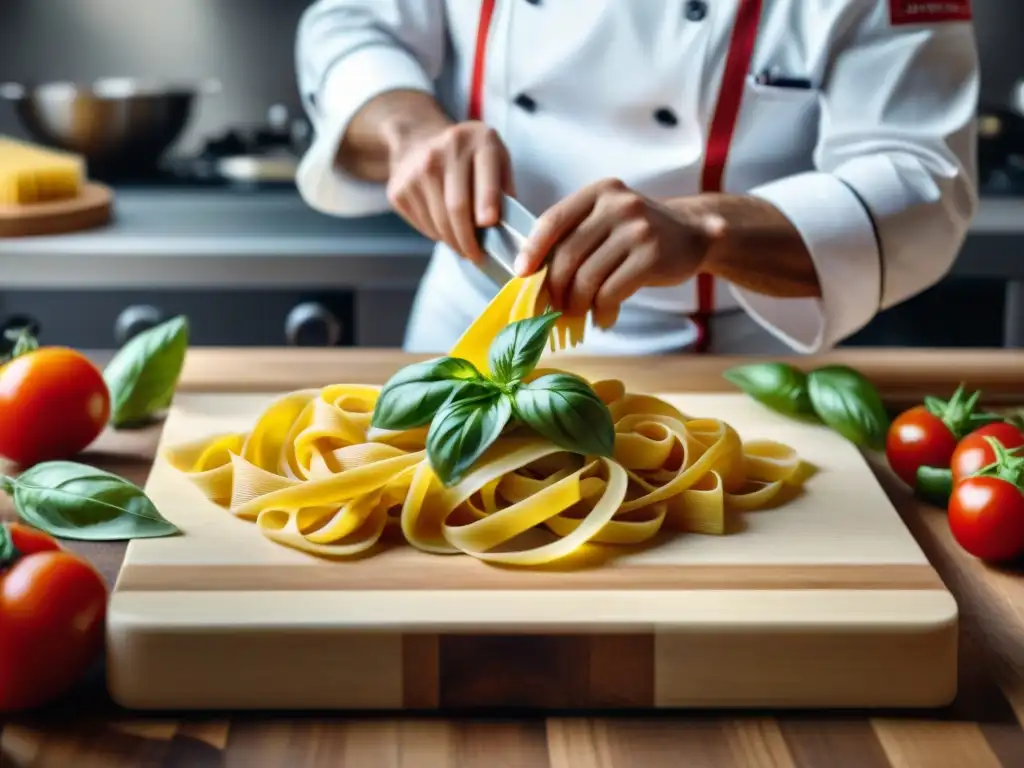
<point x="311" y="324"/>
<point x="278" y="118"/>
<point x="134" y="320"/>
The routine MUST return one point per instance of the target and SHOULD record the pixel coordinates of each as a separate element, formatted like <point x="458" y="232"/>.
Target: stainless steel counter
<point x="218" y="238"/>
<point x="210" y="238"/>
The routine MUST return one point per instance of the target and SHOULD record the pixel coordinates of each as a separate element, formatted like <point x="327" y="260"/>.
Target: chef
<point x="739" y="176"/>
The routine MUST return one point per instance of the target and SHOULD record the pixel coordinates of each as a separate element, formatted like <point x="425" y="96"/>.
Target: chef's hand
<point x="606" y="241"/>
<point x="447" y="180"/>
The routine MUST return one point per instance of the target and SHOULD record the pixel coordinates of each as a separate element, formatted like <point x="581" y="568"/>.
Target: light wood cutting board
<point x="93" y="208"/>
<point x="825" y="601"/>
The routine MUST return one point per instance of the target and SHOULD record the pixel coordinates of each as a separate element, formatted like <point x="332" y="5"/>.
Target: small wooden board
<point x="825" y="601"/>
<point x="92" y="208"/>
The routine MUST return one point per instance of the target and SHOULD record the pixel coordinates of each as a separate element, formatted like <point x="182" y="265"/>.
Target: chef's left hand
<point x="605" y="242"/>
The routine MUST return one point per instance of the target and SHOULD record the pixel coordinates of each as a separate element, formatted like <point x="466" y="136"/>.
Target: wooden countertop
<point x="901" y="374"/>
<point x="982" y="729"/>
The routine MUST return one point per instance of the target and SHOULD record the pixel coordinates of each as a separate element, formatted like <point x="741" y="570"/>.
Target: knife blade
<point x="502" y="242"/>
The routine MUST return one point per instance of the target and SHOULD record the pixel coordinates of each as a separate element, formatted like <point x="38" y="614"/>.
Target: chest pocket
<point x="776" y="133"/>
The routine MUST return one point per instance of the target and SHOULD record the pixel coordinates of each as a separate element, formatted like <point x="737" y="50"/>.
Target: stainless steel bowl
<point x="117" y="124"/>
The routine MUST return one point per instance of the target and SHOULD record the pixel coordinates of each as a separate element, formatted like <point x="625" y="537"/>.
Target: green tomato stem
<point x="9" y="553"/>
<point x="1008" y="465"/>
<point x="958" y="413"/>
<point x="24" y="342"/>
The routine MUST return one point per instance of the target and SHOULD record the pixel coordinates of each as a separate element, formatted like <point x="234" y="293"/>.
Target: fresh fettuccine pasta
<point x="315" y="476"/>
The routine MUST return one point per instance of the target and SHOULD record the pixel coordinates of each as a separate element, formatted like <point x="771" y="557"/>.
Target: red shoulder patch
<point x="928" y="11"/>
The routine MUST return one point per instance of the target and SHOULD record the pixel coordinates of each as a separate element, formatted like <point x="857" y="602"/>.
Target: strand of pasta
<point x="313" y="475"/>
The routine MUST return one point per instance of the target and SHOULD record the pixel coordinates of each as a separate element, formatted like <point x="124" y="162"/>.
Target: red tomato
<point x="986" y="517"/>
<point x="974" y="452"/>
<point x="52" y="609"/>
<point x="53" y="404"/>
<point x="918" y="438"/>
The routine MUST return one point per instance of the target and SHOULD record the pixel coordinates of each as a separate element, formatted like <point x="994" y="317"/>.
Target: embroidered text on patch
<point x="928" y="11"/>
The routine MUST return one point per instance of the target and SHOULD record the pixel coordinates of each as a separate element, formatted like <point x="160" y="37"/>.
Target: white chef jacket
<point x="863" y="134"/>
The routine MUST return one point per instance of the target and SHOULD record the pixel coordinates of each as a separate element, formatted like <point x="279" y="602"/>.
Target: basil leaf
<point x="412" y="396"/>
<point x="76" y="501"/>
<point x="144" y="373"/>
<point x="934" y="485"/>
<point x="565" y="410"/>
<point x="778" y="386"/>
<point x="516" y="350"/>
<point x="849" y="404"/>
<point x="462" y="430"/>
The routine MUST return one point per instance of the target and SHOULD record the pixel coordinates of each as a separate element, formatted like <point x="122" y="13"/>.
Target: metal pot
<point x="117" y="124"/>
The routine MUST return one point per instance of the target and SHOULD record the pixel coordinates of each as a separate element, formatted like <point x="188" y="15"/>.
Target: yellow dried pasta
<point x="315" y="476"/>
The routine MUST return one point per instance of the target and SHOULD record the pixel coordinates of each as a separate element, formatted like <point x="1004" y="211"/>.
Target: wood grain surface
<point x="92" y="208"/>
<point x="981" y="729"/>
<point x="902" y="375"/>
<point x="453" y="574"/>
<point x="805" y="603"/>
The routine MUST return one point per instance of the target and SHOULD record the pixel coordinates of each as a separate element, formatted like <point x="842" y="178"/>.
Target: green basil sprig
<point x="517" y="349"/>
<point x="414" y="394"/>
<point x="76" y="501"/>
<point x="463" y="429"/>
<point x="836" y="395"/>
<point x="144" y="373"/>
<point x="779" y="386"/>
<point x="467" y="410"/>
<point x="565" y="410"/>
<point x="849" y="404"/>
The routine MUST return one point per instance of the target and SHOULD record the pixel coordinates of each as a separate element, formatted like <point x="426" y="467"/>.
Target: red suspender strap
<point x="476" y="87"/>
<point x="723" y="126"/>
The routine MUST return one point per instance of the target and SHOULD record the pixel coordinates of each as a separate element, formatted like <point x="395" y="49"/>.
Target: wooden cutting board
<point x="824" y="601"/>
<point x="93" y="208"/>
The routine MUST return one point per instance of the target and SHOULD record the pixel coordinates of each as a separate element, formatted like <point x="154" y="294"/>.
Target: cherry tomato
<point x="52" y="610"/>
<point x="918" y="438"/>
<point x="974" y="452"/>
<point x="986" y="517"/>
<point x="53" y="404"/>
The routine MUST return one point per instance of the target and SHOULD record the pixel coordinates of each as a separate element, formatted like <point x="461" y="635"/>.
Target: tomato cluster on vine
<point x="969" y="461"/>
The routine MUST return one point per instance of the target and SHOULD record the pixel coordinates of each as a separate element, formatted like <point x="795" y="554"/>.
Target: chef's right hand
<point x="447" y="182"/>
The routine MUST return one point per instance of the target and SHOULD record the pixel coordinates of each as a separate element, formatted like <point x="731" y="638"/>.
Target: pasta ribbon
<point x="313" y="475"/>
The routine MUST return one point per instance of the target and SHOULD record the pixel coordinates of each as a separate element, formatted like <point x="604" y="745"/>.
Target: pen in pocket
<point x="770" y="78"/>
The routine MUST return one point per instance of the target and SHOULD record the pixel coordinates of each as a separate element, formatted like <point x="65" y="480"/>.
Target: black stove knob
<point x="134" y="320"/>
<point x="311" y="324"/>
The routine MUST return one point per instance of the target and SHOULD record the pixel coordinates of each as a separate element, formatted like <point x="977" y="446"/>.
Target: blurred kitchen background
<point x="220" y="234"/>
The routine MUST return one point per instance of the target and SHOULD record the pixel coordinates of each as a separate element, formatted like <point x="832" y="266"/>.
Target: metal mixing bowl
<point x="117" y="124"/>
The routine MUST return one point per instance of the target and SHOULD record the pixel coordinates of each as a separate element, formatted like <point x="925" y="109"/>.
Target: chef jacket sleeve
<point x="347" y="53"/>
<point x="888" y="208"/>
